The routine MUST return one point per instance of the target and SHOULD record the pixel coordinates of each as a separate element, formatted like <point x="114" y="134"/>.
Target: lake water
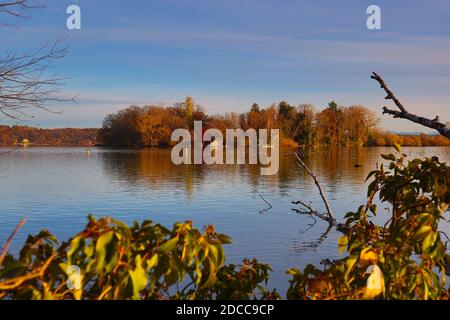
<point x="56" y="188"/>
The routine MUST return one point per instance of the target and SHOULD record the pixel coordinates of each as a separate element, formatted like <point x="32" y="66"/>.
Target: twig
<point x="270" y="206"/>
<point x="322" y="195"/>
<point x="445" y="235"/>
<point x="11" y="236"/>
<point x="25" y="83"/>
<point x="307" y="206"/>
<point x="13" y="283"/>
<point x="404" y="114"/>
<point x="311" y="213"/>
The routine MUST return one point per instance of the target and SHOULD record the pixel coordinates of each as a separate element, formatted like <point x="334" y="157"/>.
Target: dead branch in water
<point x="270" y="206"/>
<point x="11" y="236"/>
<point x="329" y="215"/>
<point x="404" y="114"/>
<point x="310" y="211"/>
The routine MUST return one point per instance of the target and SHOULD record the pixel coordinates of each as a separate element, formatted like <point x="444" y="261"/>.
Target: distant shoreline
<point x="169" y="148"/>
<point x="33" y="137"/>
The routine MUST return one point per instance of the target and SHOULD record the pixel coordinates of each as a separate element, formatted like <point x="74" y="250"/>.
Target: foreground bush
<point x="145" y="261"/>
<point x="405" y="258"/>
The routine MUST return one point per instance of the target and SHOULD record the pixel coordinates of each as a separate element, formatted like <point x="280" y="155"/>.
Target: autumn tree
<point x="136" y="127"/>
<point x="254" y="117"/>
<point x="287" y="116"/>
<point x="304" y="133"/>
<point x="255" y="107"/>
<point x="121" y="129"/>
<point x="345" y="126"/>
<point x="333" y="126"/>
<point x="357" y="124"/>
<point x="149" y="123"/>
<point x="190" y="106"/>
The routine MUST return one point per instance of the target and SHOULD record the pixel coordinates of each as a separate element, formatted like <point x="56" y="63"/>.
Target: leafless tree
<point x="25" y="81"/>
<point x="18" y="8"/>
<point x="435" y="123"/>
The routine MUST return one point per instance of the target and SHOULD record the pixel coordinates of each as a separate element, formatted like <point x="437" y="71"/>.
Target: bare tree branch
<point x="404" y="114"/>
<point x="8" y="242"/>
<point x="308" y="209"/>
<point x="330" y="218"/>
<point x="12" y="284"/>
<point x="270" y="206"/>
<point x="25" y="83"/>
<point x="18" y="8"/>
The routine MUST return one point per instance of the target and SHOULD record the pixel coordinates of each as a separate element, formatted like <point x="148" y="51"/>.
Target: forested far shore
<point x="152" y="126"/>
<point x="31" y="136"/>
<point x="301" y="125"/>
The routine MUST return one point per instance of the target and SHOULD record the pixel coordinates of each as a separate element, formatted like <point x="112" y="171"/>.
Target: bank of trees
<point x="390" y="139"/>
<point x="149" y="125"/>
<point x="300" y="125"/>
<point x="66" y="137"/>
<point x="137" y="127"/>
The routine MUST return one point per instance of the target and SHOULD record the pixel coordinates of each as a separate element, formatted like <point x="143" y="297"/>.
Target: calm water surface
<point x="56" y="188"/>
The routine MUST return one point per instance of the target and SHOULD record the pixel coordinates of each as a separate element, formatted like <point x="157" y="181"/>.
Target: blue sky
<point x="229" y="54"/>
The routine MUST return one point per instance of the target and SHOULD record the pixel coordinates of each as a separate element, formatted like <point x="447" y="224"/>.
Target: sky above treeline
<point x="230" y="54"/>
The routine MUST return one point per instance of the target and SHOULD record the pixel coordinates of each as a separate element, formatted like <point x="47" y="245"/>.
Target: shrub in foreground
<point x="146" y="261"/>
<point x="403" y="259"/>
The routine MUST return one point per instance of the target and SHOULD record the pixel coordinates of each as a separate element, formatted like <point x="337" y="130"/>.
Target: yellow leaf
<point x="351" y="261"/>
<point x="152" y="262"/>
<point x="342" y="244"/>
<point x="368" y="255"/>
<point x="138" y="277"/>
<point x="424" y="231"/>
<point x="77" y="294"/>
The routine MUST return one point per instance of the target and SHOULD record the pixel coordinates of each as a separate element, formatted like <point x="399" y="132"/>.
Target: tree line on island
<point x="152" y="126"/>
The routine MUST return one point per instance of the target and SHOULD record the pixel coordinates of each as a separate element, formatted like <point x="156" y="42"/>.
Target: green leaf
<point x="100" y="249"/>
<point x="168" y="246"/>
<point x="429" y="241"/>
<point x="424" y="231"/>
<point x="104" y="239"/>
<point x="14" y="267"/>
<point x="389" y="157"/>
<point x="214" y="253"/>
<point x="224" y="239"/>
<point x="372" y="188"/>
<point x="371" y="174"/>
<point x="75" y="245"/>
<point x="211" y="275"/>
